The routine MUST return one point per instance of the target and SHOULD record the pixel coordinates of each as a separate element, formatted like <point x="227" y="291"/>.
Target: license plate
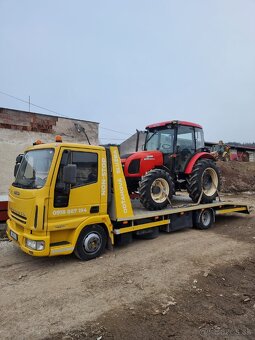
<point x="14" y="235"/>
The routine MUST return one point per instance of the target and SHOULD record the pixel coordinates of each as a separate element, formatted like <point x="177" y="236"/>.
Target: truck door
<point x="78" y="200"/>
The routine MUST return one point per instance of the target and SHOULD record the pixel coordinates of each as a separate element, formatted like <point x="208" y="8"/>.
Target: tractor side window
<point x="185" y="139"/>
<point x="199" y="138"/>
<point x="87" y="167"/>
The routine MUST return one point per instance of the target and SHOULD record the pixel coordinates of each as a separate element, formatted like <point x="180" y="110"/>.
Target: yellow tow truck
<point x="69" y="197"/>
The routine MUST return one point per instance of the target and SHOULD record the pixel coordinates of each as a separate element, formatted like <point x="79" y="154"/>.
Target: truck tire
<point x="91" y="243"/>
<point x="203" y="219"/>
<point x="205" y="177"/>
<point x="156" y="188"/>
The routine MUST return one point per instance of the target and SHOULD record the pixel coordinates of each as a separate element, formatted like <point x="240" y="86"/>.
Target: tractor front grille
<point x="134" y="166"/>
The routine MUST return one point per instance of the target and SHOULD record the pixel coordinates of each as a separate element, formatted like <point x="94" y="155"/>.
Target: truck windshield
<point x="34" y="169"/>
<point x="162" y="140"/>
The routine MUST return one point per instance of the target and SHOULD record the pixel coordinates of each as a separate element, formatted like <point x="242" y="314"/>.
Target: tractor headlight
<point x="35" y="245"/>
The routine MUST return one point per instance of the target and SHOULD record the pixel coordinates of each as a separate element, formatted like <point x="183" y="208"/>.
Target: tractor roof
<point x="179" y="122"/>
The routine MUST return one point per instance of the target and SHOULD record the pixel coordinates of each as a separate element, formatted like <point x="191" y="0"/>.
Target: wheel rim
<point x="92" y="243"/>
<point x="206" y="218"/>
<point x="210" y="181"/>
<point x="159" y="190"/>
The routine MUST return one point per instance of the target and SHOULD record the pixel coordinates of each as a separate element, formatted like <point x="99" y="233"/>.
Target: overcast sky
<point x="126" y="64"/>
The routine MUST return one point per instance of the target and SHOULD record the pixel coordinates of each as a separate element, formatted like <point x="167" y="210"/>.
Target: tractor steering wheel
<point x="166" y="146"/>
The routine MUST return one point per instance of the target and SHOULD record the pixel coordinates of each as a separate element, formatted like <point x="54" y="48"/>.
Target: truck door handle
<point x="94" y="209"/>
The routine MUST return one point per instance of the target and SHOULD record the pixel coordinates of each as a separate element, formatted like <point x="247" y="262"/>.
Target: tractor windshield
<point x="162" y="140"/>
<point x="34" y="169"/>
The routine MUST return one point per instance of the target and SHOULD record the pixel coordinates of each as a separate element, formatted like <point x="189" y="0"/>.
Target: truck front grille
<point x="18" y="217"/>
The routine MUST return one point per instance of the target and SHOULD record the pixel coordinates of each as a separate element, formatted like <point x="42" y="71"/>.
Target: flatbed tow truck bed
<point x="129" y="216"/>
<point x="182" y="214"/>
<point x="183" y="204"/>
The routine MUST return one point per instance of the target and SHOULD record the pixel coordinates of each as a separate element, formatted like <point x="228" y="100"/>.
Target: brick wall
<point x="26" y="121"/>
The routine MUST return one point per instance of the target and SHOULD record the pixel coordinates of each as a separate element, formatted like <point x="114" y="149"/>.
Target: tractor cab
<point x="178" y="142"/>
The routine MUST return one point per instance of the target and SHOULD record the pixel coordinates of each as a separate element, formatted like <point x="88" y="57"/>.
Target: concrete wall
<point x="19" y="129"/>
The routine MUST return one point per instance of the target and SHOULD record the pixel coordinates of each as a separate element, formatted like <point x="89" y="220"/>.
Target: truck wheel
<point x="156" y="188"/>
<point x="91" y="242"/>
<point x="203" y="219"/>
<point x="204" y="177"/>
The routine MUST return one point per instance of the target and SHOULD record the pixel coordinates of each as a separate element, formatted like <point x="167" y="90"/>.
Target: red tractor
<point x="174" y="158"/>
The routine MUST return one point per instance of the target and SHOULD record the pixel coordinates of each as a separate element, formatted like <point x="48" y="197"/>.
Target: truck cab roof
<point x="65" y="145"/>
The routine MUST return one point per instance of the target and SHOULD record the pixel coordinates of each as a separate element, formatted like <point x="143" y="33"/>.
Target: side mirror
<point x="17" y="165"/>
<point x="19" y="158"/>
<point x="69" y="174"/>
<point x="16" y="168"/>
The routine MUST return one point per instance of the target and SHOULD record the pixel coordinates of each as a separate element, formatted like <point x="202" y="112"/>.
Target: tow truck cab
<point x="58" y="188"/>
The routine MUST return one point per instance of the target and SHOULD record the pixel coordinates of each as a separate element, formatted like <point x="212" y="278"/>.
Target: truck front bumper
<point x="19" y="236"/>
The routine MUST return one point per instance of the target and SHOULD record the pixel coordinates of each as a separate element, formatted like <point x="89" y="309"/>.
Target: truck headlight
<point x="35" y="245"/>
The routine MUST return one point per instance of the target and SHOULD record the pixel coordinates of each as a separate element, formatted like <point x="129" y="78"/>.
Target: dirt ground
<point x="237" y="176"/>
<point x="188" y="284"/>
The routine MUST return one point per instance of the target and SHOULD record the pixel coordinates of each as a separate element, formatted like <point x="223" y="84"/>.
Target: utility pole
<point x="29" y="103"/>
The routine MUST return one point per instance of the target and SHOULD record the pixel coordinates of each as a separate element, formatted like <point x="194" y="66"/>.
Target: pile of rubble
<point x="237" y="176"/>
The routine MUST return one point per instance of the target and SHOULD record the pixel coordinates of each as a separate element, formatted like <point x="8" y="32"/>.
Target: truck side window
<point x="87" y="167"/>
<point x="87" y="173"/>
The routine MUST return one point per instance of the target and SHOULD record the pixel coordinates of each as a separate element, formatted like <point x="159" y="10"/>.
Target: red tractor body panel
<point x="179" y="122"/>
<point x="194" y="159"/>
<point x="145" y="161"/>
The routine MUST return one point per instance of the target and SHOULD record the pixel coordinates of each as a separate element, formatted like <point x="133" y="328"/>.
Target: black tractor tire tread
<point x="193" y="186"/>
<point x="144" y="187"/>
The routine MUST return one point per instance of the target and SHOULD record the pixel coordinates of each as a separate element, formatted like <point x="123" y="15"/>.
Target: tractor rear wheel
<point x="204" y="181"/>
<point x="156" y="188"/>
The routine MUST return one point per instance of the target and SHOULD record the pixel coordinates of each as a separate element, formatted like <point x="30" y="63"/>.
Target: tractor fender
<point x="194" y="159"/>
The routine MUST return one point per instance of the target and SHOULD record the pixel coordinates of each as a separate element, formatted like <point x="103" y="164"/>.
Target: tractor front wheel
<point x="156" y="188"/>
<point x="204" y="181"/>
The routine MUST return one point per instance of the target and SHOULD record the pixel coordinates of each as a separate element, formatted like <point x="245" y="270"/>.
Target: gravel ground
<point x="188" y="284"/>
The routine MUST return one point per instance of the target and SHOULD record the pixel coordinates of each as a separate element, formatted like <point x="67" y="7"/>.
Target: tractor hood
<point x="124" y="157"/>
<point x="138" y="163"/>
